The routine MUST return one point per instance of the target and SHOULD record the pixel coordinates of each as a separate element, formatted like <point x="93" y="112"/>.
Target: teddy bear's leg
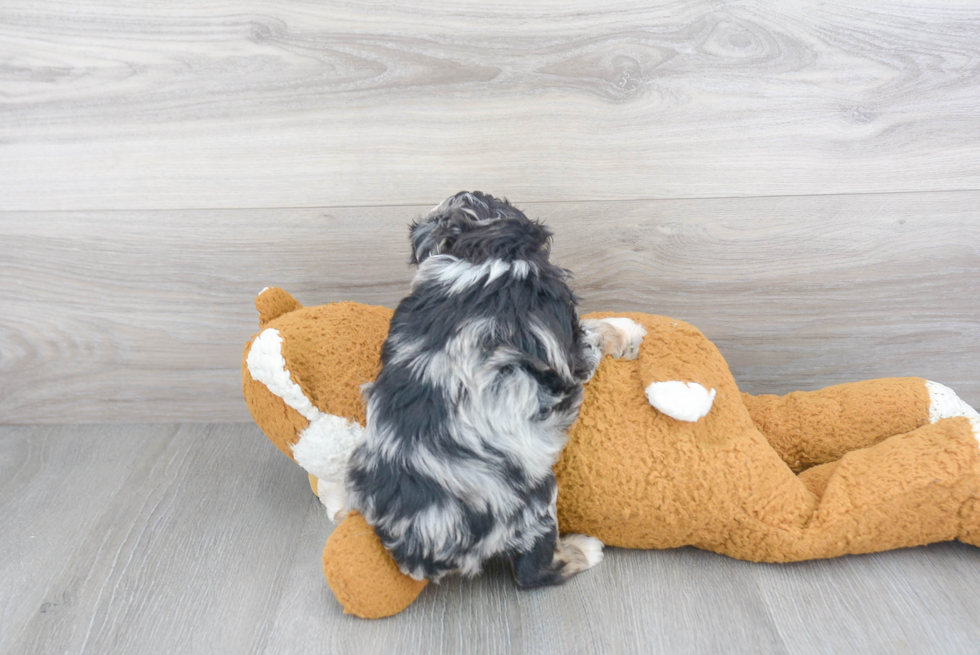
<point x="910" y="489"/>
<point x="702" y="435"/>
<point x="808" y="428"/>
<point x="816" y="427"/>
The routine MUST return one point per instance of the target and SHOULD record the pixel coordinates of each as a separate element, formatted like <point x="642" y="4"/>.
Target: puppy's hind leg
<point x="552" y="560"/>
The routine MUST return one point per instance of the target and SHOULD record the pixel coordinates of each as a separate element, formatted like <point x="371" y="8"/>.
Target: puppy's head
<point x="477" y="227"/>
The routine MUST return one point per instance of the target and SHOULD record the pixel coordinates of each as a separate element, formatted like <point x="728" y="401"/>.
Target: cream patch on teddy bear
<point x="326" y="444"/>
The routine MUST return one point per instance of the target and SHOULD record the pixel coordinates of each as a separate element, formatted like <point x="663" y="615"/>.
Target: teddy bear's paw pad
<point x="625" y="338"/>
<point x="683" y="401"/>
<point x="582" y="552"/>
<point x="944" y="403"/>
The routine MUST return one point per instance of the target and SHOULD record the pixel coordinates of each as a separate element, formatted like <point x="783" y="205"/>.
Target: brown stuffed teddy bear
<point x="666" y="451"/>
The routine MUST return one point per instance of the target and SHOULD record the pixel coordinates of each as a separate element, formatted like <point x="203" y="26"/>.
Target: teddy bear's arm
<point x="672" y="360"/>
<point x="680" y="369"/>
<point x="362" y="574"/>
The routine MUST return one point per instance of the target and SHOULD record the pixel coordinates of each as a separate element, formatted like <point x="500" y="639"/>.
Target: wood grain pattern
<point x="205" y="539"/>
<point x="141" y="316"/>
<point x="903" y="620"/>
<point x="146" y="575"/>
<point x="288" y="104"/>
<point x="55" y="484"/>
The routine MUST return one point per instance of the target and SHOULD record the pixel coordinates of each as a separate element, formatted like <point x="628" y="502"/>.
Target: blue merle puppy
<point x="482" y="375"/>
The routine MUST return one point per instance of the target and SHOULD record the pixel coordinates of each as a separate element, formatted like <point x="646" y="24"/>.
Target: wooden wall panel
<point x="141" y="315"/>
<point x="204" y="104"/>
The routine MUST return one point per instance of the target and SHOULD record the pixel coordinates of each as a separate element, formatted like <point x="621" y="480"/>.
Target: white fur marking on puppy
<point x="331" y="494"/>
<point x="461" y="274"/>
<point x="326" y="444"/>
<point x="264" y="289"/>
<point x="554" y="352"/>
<point x="521" y="268"/>
<point x="457" y="275"/>
<point x="497" y="268"/>
<point x="590" y="547"/>
<point x="944" y="403"/>
<point x="684" y="401"/>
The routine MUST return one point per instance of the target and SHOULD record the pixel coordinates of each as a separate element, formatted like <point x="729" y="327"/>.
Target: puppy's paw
<point x="622" y="337"/>
<point x="332" y="496"/>
<point x="683" y="401"/>
<point x="583" y="551"/>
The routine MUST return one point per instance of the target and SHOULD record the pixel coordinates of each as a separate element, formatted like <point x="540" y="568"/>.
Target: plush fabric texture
<point x="362" y="574"/>
<point x="811" y="428"/>
<point x="331" y="351"/>
<point x="852" y="468"/>
<point x="635" y="478"/>
<point x="273" y="302"/>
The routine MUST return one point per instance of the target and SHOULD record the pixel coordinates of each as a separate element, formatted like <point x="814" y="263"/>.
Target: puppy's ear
<point x="421" y="235"/>
<point x="536" y="238"/>
<point x="542" y="237"/>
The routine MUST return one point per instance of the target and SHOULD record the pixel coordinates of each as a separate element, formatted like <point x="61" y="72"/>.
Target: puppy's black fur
<point x="482" y="375"/>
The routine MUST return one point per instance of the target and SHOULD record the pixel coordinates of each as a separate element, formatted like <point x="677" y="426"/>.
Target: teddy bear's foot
<point x="944" y="403"/>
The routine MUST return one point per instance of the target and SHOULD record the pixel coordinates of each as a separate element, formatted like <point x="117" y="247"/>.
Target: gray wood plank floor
<point x="205" y="539"/>
<point x="141" y="316"/>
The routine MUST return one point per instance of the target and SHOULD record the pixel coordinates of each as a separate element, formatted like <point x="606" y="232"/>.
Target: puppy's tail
<point x="273" y="302"/>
